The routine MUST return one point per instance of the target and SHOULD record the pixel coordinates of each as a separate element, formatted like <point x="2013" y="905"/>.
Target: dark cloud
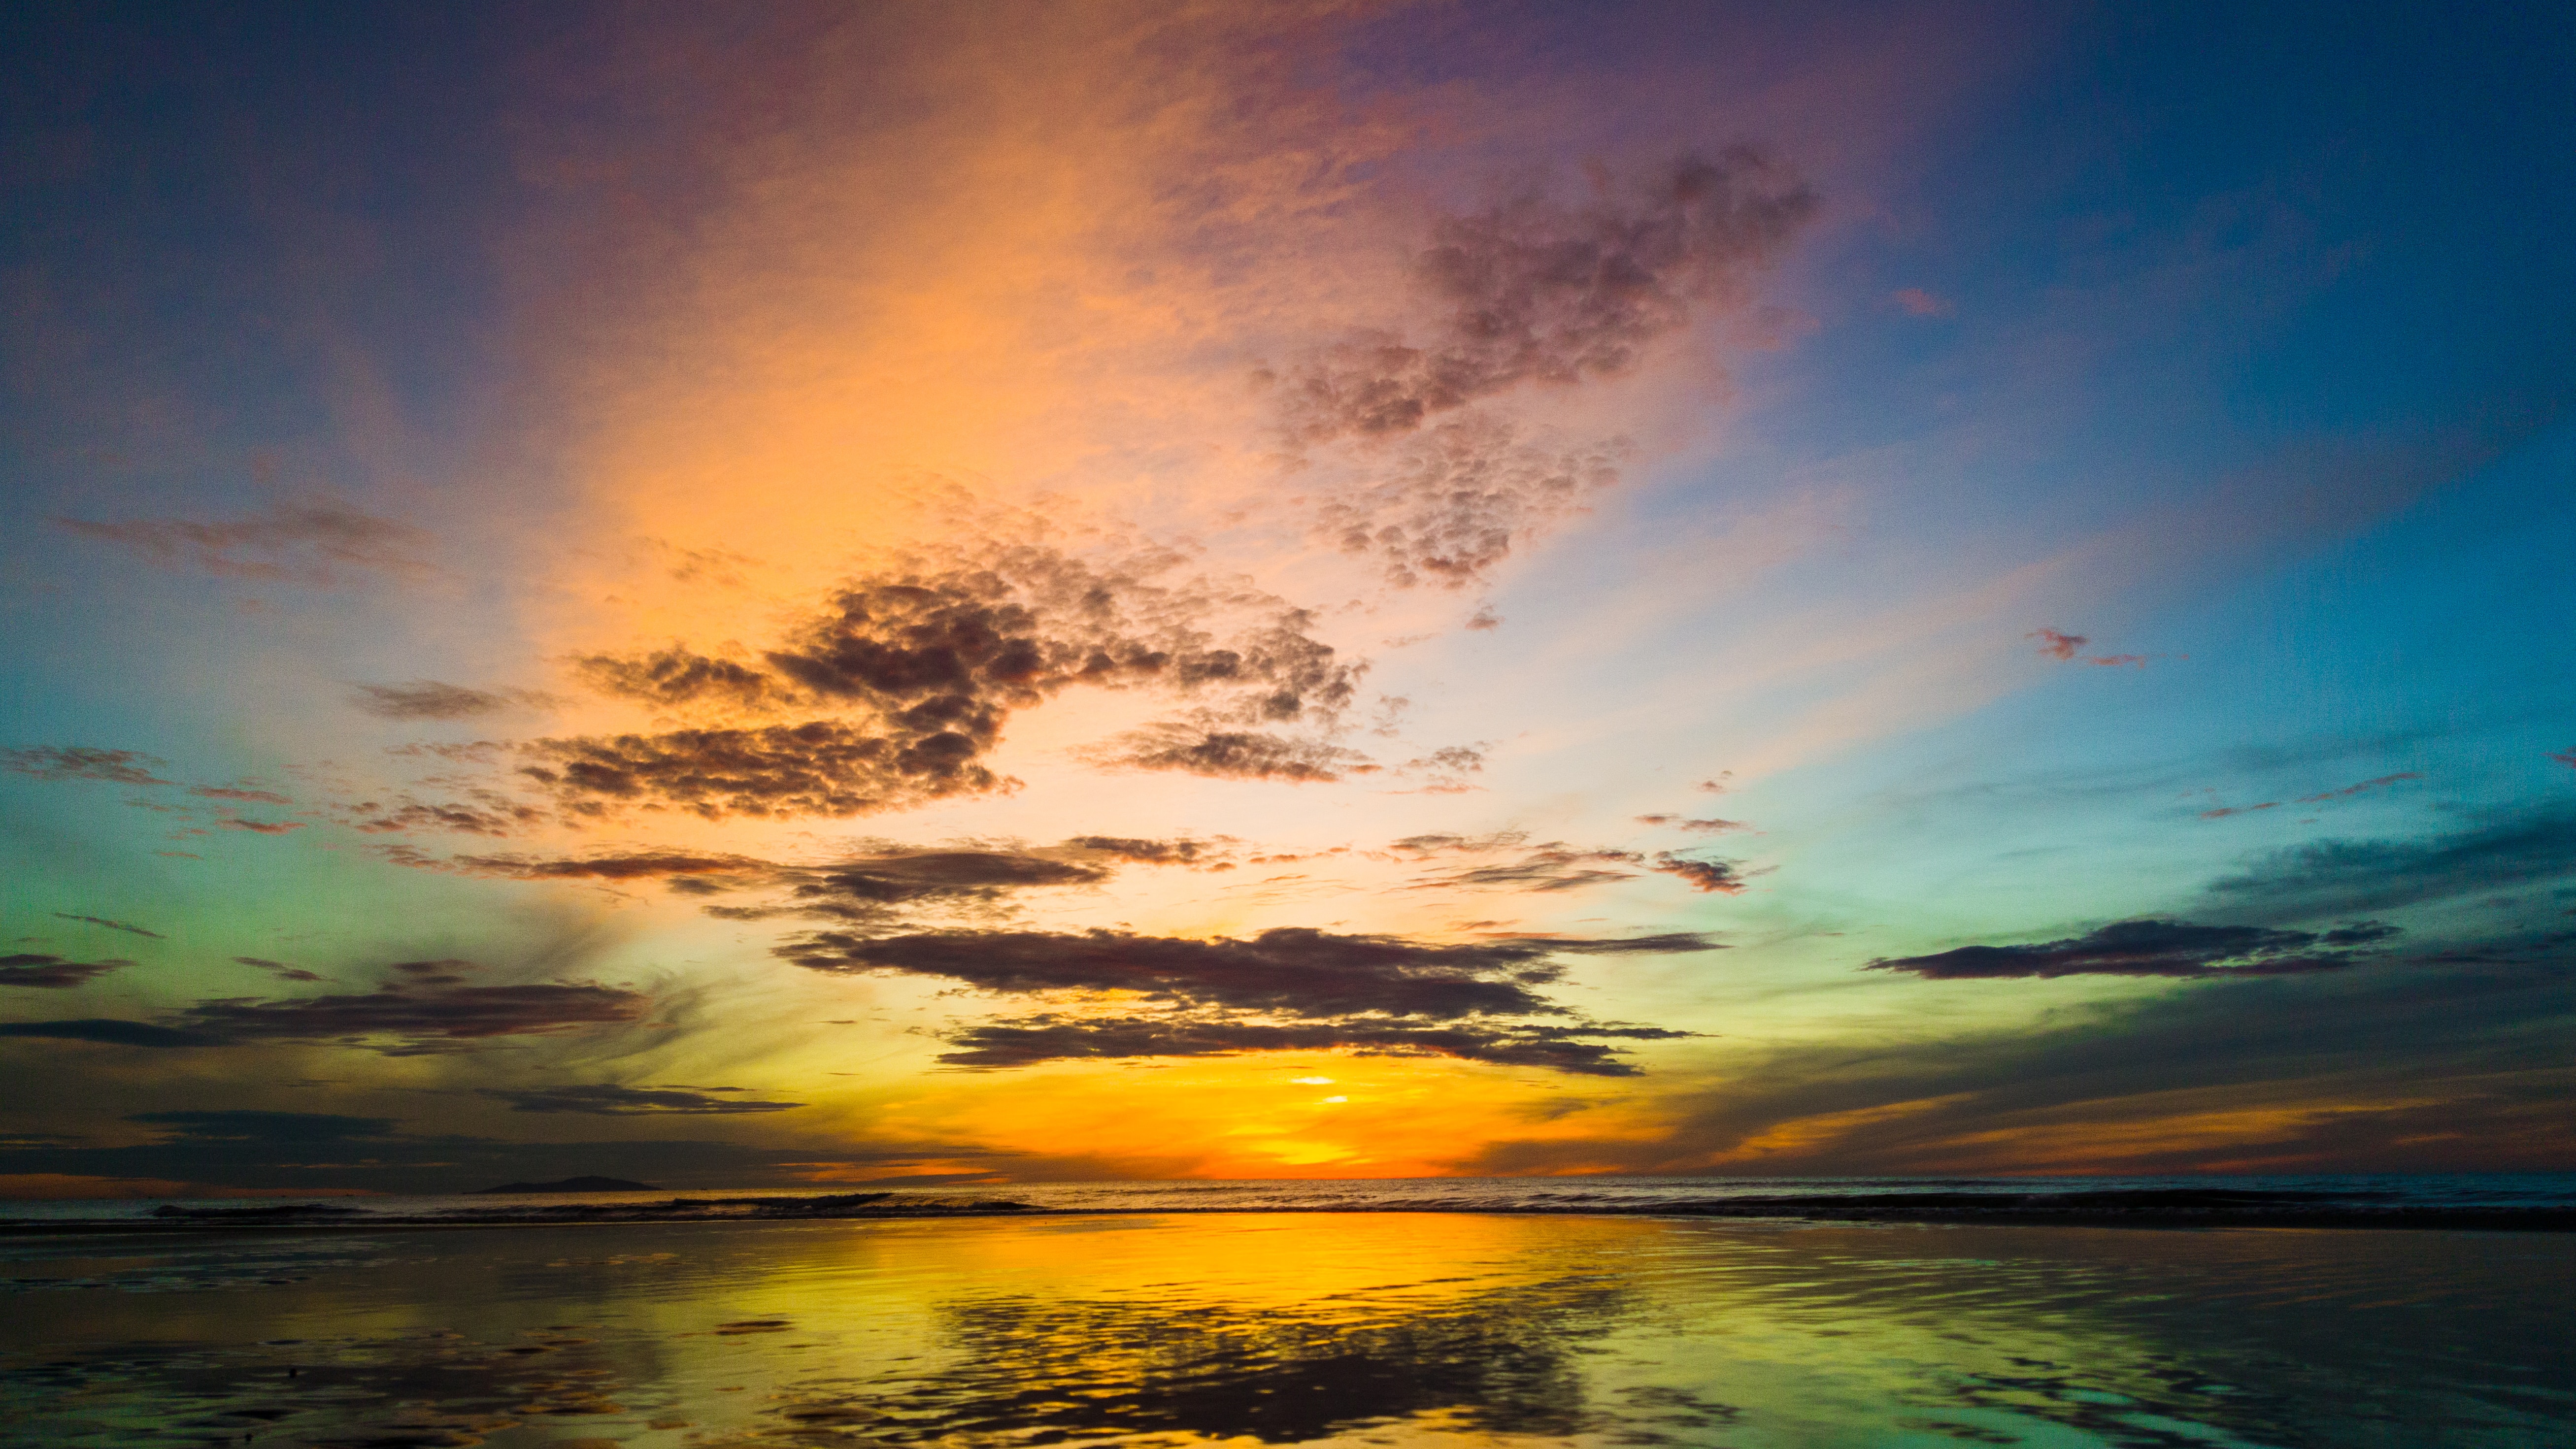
<point x="1445" y="507"/>
<point x="821" y="767"/>
<point x="2409" y="1066"/>
<point x="1531" y="291"/>
<point x="1554" y="866"/>
<point x="1232" y="754"/>
<point x="1029" y="1041"/>
<point x="614" y="1101"/>
<point x="920" y="670"/>
<point x="1716" y="876"/>
<point x="129" y="929"/>
<point x="260" y="827"/>
<point x="672" y="865"/>
<point x="238" y="794"/>
<point x="1285" y="989"/>
<point x="429" y="1013"/>
<point x="430" y="699"/>
<point x="83" y="762"/>
<point x="52" y="972"/>
<point x="1291" y="969"/>
<point x="2338" y="877"/>
<point x="314" y="1150"/>
<point x="280" y="969"/>
<point x="1144" y="852"/>
<point x="876" y="887"/>
<point x="677" y="676"/>
<point x="109" y="1032"/>
<point x="489" y="819"/>
<point x="2153" y="948"/>
<point x="320" y="544"/>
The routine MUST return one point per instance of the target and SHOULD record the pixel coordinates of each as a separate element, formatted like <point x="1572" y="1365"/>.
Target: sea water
<point x="1287" y="1327"/>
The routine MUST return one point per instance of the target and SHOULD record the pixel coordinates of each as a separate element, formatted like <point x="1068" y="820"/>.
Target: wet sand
<point x="1350" y="1328"/>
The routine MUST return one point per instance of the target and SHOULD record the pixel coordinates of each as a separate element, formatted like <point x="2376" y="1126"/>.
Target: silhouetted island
<point x="574" y="1184"/>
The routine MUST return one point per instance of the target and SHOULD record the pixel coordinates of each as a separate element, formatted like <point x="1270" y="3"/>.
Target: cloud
<point x="1143" y="852"/>
<point x="1710" y="826"/>
<point x="2332" y="877"/>
<point x="52" y="972"/>
<point x="1029" y="1041"/>
<point x="1915" y="302"/>
<point x="235" y="1147"/>
<point x="2153" y="948"/>
<point x="2363" y="787"/>
<point x="1531" y="291"/>
<point x="1554" y="866"/>
<point x="614" y="1101"/>
<point x="2058" y="645"/>
<point x="260" y="827"/>
<point x="109" y="1032"/>
<point x="819" y="768"/>
<point x="1719" y="877"/>
<point x="82" y="762"/>
<point x="920" y="669"/>
<point x="131" y="930"/>
<point x="2321" y="796"/>
<point x="1285" y="989"/>
<point x="1232" y="754"/>
<point x="1445" y="508"/>
<point x="2425" y="1069"/>
<point x="236" y="793"/>
<point x="425" y="1015"/>
<point x="874" y="887"/>
<point x="318" y="544"/>
<point x="280" y="969"/>
<point x="672" y="865"/>
<point x="431" y="699"/>
<point x="495" y="820"/>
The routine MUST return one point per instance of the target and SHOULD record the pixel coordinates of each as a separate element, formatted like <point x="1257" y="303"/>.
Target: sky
<point x="816" y="594"/>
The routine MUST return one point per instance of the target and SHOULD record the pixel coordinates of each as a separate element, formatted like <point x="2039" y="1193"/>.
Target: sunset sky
<point x="800" y="595"/>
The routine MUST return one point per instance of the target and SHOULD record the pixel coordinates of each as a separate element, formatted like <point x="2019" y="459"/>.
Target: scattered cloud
<point x="2059" y="645"/>
<point x="82" y="762"/>
<point x="431" y="699"/>
<point x="2362" y="788"/>
<point x="280" y="969"/>
<point x="1145" y="852"/>
<point x="1720" y="877"/>
<point x="323" y="545"/>
<point x="1554" y="866"/>
<point x="1444" y="507"/>
<point x="1289" y="988"/>
<point x="52" y="972"/>
<point x="108" y="1032"/>
<point x="1710" y="826"/>
<point x="260" y="827"/>
<point x="494" y="819"/>
<point x="2154" y="948"/>
<point x="1530" y="291"/>
<point x="930" y="663"/>
<point x="129" y="929"/>
<point x="2332" y="877"/>
<point x="1915" y="302"/>
<point x="241" y="795"/>
<point x="615" y="1101"/>
<point x="432" y="1012"/>
<point x="1232" y="754"/>
<point x="1029" y="1041"/>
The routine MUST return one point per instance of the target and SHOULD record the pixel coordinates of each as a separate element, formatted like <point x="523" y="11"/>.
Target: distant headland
<point x="574" y="1184"/>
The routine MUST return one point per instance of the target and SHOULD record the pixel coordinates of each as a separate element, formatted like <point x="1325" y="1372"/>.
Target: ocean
<point x="2070" y="1312"/>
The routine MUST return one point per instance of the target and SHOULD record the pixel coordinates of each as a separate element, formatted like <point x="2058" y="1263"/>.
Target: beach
<point x="1289" y="1328"/>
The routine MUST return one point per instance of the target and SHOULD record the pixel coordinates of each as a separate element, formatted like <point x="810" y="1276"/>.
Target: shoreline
<point x="2111" y="1210"/>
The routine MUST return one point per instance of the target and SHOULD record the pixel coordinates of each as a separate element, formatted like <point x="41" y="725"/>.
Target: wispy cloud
<point x="323" y="545"/>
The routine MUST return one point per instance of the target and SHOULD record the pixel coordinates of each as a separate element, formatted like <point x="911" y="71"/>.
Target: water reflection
<point x="1283" y="1329"/>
